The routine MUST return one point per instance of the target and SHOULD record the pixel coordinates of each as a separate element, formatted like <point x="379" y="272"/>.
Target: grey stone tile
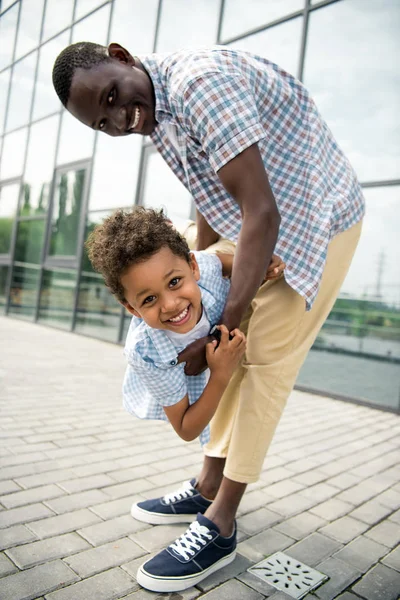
<point x="86" y="483"/>
<point x="8" y="486"/>
<point x="371" y="512"/>
<point x="381" y="582"/>
<point x="105" y="586"/>
<point x="395" y="517"/>
<point x="362" y="553"/>
<point x="72" y="502"/>
<point x="252" y="501"/>
<point x="27" y="585"/>
<point x="392" y="560"/>
<point x="239" y="565"/>
<point x="258" y="520"/>
<point x="256" y="584"/>
<point x="63" y="523"/>
<point x="13" y="536"/>
<point x="389" y="498"/>
<point x="313" y="549"/>
<point x="38" y="479"/>
<point x="115" y="508"/>
<point x="310" y="477"/>
<point x="6" y="566"/>
<point x="129" y="488"/>
<point x="319" y="492"/>
<point x="24" y="514"/>
<point x="30" y="496"/>
<point x="110" y="530"/>
<point x="284" y="488"/>
<point x="231" y="590"/>
<point x="158" y="536"/>
<point x="93" y="561"/>
<point x="300" y="525"/>
<point x="348" y="596"/>
<point x="341" y="576"/>
<point x="385" y="533"/>
<point x="291" y="505"/>
<point x="35" y="553"/>
<point x="331" y="509"/>
<point x="344" y="529"/>
<point x="344" y="480"/>
<point x="262" y="545"/>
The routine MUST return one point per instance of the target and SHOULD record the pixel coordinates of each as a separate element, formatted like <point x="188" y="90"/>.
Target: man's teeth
<point x="136" y="119"/>
<point x="181" y="316"/>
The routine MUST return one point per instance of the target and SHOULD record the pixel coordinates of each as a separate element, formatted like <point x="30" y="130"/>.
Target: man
<point x="264" y="170"/>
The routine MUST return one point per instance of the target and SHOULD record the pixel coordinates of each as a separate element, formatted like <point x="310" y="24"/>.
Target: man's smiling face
<point x="116" y="96"/>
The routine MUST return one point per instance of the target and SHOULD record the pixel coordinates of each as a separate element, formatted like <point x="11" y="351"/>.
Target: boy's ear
<point x="120" y="53"/>
<point x="130" y="309"/>
<point x="194" y="266"/>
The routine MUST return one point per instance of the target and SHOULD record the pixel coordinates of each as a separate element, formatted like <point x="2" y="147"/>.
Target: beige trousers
<point x="279" y="335"/>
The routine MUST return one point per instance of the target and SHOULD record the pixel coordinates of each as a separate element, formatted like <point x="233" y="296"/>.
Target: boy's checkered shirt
<point x="222" y="101"/>
<point x="154" y="378"/>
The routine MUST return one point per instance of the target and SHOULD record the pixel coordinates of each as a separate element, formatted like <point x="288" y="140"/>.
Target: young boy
<point x="175" y="295"/>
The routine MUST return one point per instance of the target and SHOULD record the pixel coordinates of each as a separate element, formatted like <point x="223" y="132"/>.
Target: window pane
<point x="3" y="287"/>
<point x="46" y="100"/>
<point x="58" y="16"/>
<point x="30" y="236"/>
<point x="22" y="81"/>
<point x="137" y="35"/>
<point x="355" y="352"/>
<point x="85" y="6"/>
<point x="71" y="131"/>
<point x="12" y="158"/>
<point x="115" y="171"/>
<point x="66" y="212"/>
<point x="57" y="297"/>
<point x="8" y="28"/>
<point x="196" y="27"/>
<point x="94" y="28"/>
<point x="162" y="189"/>
<point x="4" y="83"/>
<point x="351" y="68"/>
<point x="30" y="22"/>
<point x="280" y="44"/>
<point x="39" y="167"/>
<point x="23" y="292"/>
<point x="239" y="17"/>
<point x="8" y="207"/>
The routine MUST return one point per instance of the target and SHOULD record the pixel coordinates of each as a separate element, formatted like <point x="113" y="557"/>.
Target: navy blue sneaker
<point x="180" y="506"/>
<point x="200" y="551"/>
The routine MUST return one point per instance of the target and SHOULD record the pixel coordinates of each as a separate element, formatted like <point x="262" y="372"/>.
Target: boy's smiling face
<point x="163" y="291"/>
<point x="116" y="96"/>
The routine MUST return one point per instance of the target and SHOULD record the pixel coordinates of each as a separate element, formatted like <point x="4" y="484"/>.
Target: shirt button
<point x="173" y="362"/>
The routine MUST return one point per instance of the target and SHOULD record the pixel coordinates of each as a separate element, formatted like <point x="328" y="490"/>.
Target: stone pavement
<point x="72" y="461"/>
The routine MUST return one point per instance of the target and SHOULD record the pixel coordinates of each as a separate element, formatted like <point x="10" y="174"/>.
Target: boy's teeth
<point x="180" y="317"/>
<point x="136" y="118"/>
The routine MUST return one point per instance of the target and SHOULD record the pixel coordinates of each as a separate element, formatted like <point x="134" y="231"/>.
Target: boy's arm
<point x="275" y="268"/>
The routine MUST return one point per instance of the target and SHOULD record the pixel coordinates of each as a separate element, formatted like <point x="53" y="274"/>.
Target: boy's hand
<point x="223" y="358"/>
<point x="275" y="269"/>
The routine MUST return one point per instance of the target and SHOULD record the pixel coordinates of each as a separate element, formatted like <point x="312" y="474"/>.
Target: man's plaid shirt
<point x="223" y="101"/>
<point x="154" y="378"/>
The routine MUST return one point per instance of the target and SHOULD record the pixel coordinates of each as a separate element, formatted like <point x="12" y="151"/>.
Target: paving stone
<point x="22" y="459"/>
<point x="35" y="553"/>
<point x="348" y="596"/>
<point x="300" y="525"/>
<point x="94" y="468"/>
<point x="6" y="566"/>
<point x="395" y="517"/>
<point x="256" y="584"/>
<point x="190" y="594"/>
<point x="341" y="576"/>
<point x="158" y="536"/>
<point x="331" y="509"/>
<point x="291" y="505"/>
<point x="262" y="545"/>
<point x="104" y="557"/>
<point x="110" y="530"/>
<point x="130" y="474"/>
<point x="284" y="488"/>
<point x="313" y="549"/>
<point x="63" y="523"/>
<point x="231" y="590"/>
<point x="252" y="501"/>
<point x="132" y="566"/>
<point x="115" y="508"/>
<point x="87" y="483"/>
<point x="392" y="560"/>
<point x="22" y="498"/>
<point x="344" y="480"/>
<point x="53" y="476"/>
<point x="385" y="533"/>
<point x="8" y="486"/>
<point x="378" y="584"/>
<point x="258" y="520"/>
<point x="105" y="586"/>
<point x="24" y="514"/>
<point x="29" y="584"/>
<point x="310" y="477"/>
<point x="362" y="553"/>
<point x="344" y="529"/>
<point x="127" y="489"/>
<point x="389" y="498"/>
<point x="72" y="502"/>
<point x="13" y="536"/>
<point x="371" y="512"/>
<point x="239" y="565"/>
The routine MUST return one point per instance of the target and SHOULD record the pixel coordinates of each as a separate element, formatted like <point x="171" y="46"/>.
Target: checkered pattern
<point x="223" y="101"/>
<point x="154" y="378"/>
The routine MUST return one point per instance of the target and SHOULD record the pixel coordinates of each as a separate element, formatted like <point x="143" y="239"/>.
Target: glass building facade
<point x="58" y="178"/>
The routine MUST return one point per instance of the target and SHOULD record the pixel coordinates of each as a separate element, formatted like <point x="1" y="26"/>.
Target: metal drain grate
<point x="288" y="575"/>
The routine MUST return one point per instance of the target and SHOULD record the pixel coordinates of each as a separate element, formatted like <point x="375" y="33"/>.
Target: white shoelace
<point x="193" y="539"/>
<point x="186" y="491"/>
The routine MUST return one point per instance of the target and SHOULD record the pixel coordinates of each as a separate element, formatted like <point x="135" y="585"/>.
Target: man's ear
<point x="130" y="309"/>
<point x="120" y="53"/>
<point x="194" y="266"/>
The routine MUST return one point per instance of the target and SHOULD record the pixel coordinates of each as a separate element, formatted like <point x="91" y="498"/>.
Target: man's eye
<point x="174" y="281"/>
<point x="102" y="124"/>
<point x="148" y="299"/>
<point x="111" y="96"/>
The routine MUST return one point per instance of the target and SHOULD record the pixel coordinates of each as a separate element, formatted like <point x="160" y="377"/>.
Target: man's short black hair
<point x="82" y="55"/>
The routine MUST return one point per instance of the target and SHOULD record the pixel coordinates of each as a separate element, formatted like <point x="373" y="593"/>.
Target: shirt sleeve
<point x="165" y="386"/>
<point x="220" y="111"/>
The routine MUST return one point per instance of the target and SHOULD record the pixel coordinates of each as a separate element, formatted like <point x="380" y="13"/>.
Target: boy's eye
<point x="102" y="124"/>
<point x="174" y="281"/>
<point x="111" y="96"/>
<point x="148" y="299"/>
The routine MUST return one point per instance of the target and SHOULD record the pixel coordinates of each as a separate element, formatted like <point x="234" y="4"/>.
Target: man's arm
<point x="206" y="236"/>
<point x="245" y="178"/>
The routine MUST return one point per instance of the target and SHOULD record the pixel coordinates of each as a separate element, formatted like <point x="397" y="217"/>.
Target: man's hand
<point x="275" y="269"/>
<point x="195" y="356"/>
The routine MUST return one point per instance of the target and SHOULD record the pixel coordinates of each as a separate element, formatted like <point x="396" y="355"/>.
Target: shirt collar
<point x="162" y="108"/>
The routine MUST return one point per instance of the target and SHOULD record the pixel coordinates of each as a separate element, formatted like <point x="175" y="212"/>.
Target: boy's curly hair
<point x="129" y="237"/>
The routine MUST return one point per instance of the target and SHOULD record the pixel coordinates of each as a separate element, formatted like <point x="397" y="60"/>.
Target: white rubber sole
<point x="158" y="518"/>
<point x="178" y="584"/>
